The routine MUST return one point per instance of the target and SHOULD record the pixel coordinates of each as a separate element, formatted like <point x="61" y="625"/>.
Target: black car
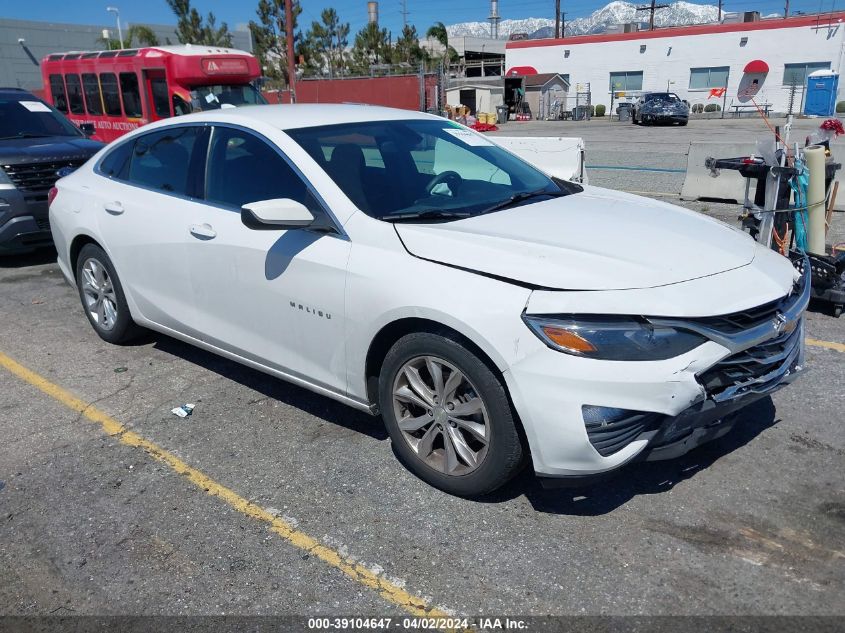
<point x="37" y="145"/>
<point x="660" y="107"/>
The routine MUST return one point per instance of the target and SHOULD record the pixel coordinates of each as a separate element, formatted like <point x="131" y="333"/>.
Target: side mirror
<point x="277" y="214"/>
<point x="88" y="129"/>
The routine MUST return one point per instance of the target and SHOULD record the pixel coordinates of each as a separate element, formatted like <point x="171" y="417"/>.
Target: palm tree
<point x="143" y="35"/>
<point x="438" y="32"/>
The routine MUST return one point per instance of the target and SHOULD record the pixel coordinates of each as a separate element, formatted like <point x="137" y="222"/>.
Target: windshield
<point x="223" y="96"/>
<point x="663" y="97"/>
<point x="429" y="168"/>
<point x="32" y="118"/>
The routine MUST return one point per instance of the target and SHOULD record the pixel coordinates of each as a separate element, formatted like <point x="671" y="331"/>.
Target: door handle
<point x="115" y="208"/>
<point x="203" y="231"/>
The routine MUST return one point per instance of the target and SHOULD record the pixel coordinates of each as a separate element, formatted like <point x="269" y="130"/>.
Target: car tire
<point x="683" y="123"/>
<point x="468" y="454"/>
<point x="102" y="296"/>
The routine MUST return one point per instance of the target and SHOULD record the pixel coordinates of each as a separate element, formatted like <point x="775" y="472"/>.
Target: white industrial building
<point x="692" y="61"/>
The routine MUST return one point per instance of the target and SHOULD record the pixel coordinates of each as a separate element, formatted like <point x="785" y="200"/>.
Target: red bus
<point x="117" y="91"/>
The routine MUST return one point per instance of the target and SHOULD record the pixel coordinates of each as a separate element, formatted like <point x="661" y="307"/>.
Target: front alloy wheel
<point x="448" y="414"/>
<point x="441" y="415"/>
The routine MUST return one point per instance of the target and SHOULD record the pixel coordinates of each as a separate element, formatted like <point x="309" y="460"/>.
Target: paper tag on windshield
<point x="468" y="137"/>
<point x="210" y="98"/>
<point x="34" y="106"/>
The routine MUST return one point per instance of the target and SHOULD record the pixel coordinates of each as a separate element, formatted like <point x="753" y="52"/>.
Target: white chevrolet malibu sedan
<point x="409" y="267"/>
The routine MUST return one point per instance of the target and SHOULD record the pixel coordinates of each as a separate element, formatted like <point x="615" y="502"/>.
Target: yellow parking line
<point x="386" y="589"/>
<point x="839" y="347"/>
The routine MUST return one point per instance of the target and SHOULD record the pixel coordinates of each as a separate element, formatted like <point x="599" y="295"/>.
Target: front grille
<point x="755" y="370"/>
<point x="38" y="177"/>
<point x="610" y="436"/>
<point x="746" y="319"/>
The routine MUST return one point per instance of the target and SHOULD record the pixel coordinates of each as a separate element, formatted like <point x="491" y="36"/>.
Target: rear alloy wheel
<point x="448" y="415"/>
<point x="102" y="296"/>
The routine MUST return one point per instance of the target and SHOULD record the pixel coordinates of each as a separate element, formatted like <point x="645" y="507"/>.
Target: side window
<point x="116" y="162"/>
<point x="74" y="94"/>
<point x="162" y="160"/>
<point x="57" y="89"/>
<point x="111" y="96"/>
<point x="161" y="103"/>
<point x="91" y="86"/>
<point x="131" y="95"/>
<point x="243" y="168"/>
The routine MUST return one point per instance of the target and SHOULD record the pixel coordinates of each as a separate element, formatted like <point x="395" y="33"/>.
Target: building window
<point x="797" y="73"/>
<point x="705" y="78"/>
<point x="626" y="81"/>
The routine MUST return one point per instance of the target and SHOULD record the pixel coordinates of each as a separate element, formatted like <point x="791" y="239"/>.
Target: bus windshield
<point x="219" y="96"/>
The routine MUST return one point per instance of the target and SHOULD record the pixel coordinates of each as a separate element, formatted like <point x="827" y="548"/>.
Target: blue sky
<point x="422" y="12"/>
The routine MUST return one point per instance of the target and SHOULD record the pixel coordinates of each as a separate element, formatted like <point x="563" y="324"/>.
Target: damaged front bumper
<point x="663" y="409"/>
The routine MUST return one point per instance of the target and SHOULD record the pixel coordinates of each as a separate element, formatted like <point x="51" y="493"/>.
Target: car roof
<point x="15" y="93"/>
<point x="289" y="117"/>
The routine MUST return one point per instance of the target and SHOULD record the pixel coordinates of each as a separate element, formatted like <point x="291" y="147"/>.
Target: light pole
<point x="116" y="12"/>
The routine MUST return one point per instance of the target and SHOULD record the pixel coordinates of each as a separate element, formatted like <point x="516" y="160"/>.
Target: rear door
<point x="144" y="205"/>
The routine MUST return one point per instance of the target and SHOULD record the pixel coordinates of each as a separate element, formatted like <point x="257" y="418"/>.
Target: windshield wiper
<point x="428" y="214"/>
<point x="521" y="197"/>
<point x="25" y="135"/>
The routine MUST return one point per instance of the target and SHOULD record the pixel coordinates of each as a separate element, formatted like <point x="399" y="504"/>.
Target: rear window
<point x="162" y="160"/>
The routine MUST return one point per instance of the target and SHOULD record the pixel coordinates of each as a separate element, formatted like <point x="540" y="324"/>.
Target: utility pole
<point x="651" y="9"/>
<point x="404" y="13"/>
<point x="557" y="19"/>
<point x="289" y="42"/>
<point x="720" y="10"/>
<point x="786" y="10"/>
<point x="563" y="23"/>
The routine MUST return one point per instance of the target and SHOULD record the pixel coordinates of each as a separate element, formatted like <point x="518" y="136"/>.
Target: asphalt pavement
<point x="271" y="500"/>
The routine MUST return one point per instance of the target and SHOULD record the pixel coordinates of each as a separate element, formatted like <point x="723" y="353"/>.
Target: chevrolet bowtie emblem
<point x="779" y="323"/>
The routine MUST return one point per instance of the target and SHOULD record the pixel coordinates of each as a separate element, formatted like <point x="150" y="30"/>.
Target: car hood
<point x="49" y="148"/>
<point x="594" y="240"/>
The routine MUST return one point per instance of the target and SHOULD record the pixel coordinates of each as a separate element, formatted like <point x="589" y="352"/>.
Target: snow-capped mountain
<point x="617" y="12"/>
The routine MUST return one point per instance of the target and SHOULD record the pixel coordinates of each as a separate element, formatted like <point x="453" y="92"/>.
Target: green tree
<point x="135" y="35"/>
<point x="327" y="41"/>
<point x="269" y="39"/>
<point x="407" y="47"/>
<point x="191" y="28"/>
<point x="371" y="47"/>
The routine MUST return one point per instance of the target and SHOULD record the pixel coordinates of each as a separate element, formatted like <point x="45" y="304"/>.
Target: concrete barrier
<point x="699" y="184"/>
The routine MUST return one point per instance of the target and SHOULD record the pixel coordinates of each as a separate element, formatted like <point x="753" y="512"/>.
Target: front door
<point x="158" y="95"/>
<point x="275" y="297"/>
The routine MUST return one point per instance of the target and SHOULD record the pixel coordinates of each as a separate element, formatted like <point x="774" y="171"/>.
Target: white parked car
<point x="407" y="266"/>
